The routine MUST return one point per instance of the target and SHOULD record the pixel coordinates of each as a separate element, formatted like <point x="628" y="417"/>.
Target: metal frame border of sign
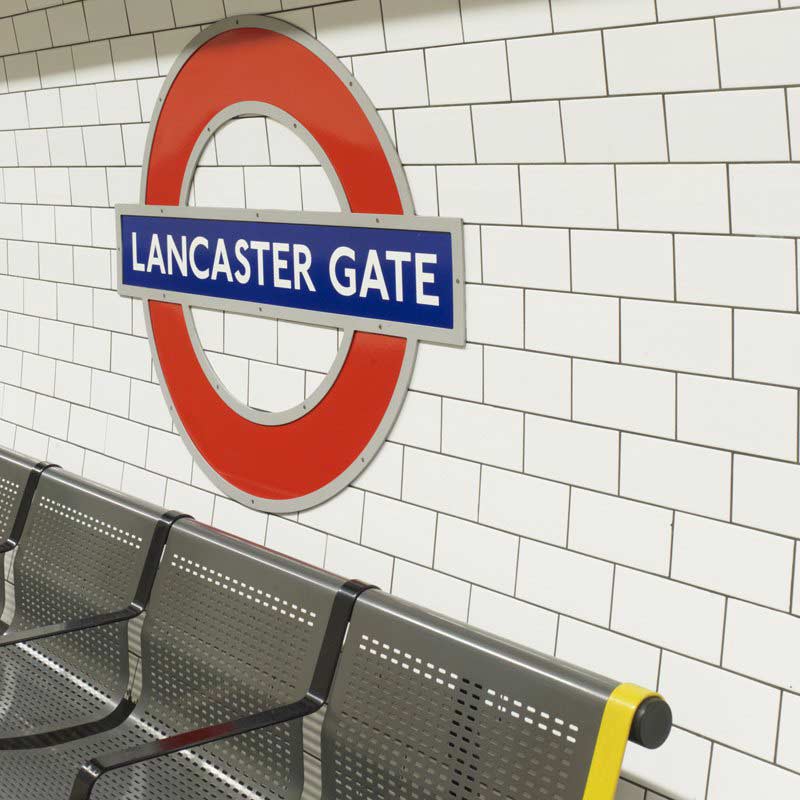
<point x="236" y="110"/>
<point x="422" y="333"/>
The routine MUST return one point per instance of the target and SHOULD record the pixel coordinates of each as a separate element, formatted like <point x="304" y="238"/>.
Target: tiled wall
<point x="609" y="470"/>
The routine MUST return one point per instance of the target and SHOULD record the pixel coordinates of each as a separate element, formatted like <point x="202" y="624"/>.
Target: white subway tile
<point x="569" y="196"/>
<point x="537" y="258"/>
<point x="400" y="529"/>
<point x="684" y="9"/>
<point x="765" y="347"/>
<point x="450" y="371"/>
<point x="420" y="422"/>
<point x="509" y="132"/>
<point x="642" y="58"/>
<point x="735" y="415"/>
<point x="676" y="475"/>
<point x="346" y="558"/>
<point x="719" y="270"/>
<point x="679" y="768"/>
<point x="620" y="530"/>
<point x="384" y="474"/>
<point x="150" y="15"/>
<point x="723" y="706"/>
<point x="188" y="12"/>
<point x="527" y="381"/>
<point x="765" y="494"/>
<point x="736" y="776"/>
<point x="762" y="643"/>
<point x="530" y="507"/>
<point x="676" y="336"/>
<point x="350" y="27"/>
<point x="569" y="65"/>
<point x="431" y="589"/>
<point x="615" y="129"/>
<point x="759" y="49"/>
<point x="728" y="126"/>
<point x="572" y="453"/>
<point x="341" y="515"/>
<point x="657" y="609"/>
<point x="600" y="650"/>
<point x="421" y="23"/>
<point x="565" y="582"/>
<point x="143" y="484"/>
<point x="498" y="20"/>
<point x="477" y="554"/>
<point x="673" y="197"/>
<point x="468" y="73"/>
<point x="495" y="315"/>
<point x="764" y="199"/>
<point x="514" y="620"/>
<point x="441" y="482"/>
<point x="629" y="398"/>
<point x="581" y="14"/>
<point x="720" y="557"/>
<point x="435" y="135"/>
<point x="378" y="73"/>
<point x="789" y="733"/>
<point x="481" y="194"/>
<point x="51" y="416"/>
<point x="482" y="433"/>
<point x="296" y="541"/>
<point x="572" y="324"/>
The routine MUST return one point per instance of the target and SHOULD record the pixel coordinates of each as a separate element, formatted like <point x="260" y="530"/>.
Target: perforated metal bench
<point x="83" y="566"/>
<point x="423" y="707"/>
<point x="232" y="632"/>
<point x="239" y="645"/>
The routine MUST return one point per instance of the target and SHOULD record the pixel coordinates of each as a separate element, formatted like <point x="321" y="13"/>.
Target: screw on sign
<point x="386" y="278"/>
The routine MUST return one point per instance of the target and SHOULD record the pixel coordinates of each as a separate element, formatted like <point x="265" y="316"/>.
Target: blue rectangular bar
<point x="362" y="272"/>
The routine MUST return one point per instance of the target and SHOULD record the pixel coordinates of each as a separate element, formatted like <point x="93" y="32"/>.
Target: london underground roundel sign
<point x="386" y="278"/>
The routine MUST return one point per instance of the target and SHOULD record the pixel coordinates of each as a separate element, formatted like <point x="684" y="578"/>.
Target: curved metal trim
<point x="334" y="487"/>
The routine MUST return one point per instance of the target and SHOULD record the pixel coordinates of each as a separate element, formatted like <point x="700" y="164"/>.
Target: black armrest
<point x="137" y="606"/>
<point x="70" y="627"/>
<point x="33" y="741"/>
<point x="314" y="699"/>
<point x="93" y="770"/>
<point x="125" y="706"/>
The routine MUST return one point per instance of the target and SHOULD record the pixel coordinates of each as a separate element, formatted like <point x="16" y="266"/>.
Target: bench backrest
<point x="82" y="553"/>
<point x="233" y="629"/>
<point x="423" y="707"/>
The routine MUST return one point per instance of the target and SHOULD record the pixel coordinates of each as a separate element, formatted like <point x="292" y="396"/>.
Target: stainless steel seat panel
<point x="423" y="707"/>
<point x="199" y="775"/>
<point x="38" y="693"/>
<point x="231" y="629"/>
<point x="82" y="553"/>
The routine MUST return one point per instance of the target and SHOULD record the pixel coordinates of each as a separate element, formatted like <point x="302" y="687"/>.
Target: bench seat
<point x="231" y="630"/>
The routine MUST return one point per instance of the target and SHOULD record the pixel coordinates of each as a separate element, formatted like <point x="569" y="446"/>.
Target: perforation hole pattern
<point x="218" y="645"/>
<point x="434" y="719"/>
<point x="38" y="692"/>
<point x="72" y="562"/>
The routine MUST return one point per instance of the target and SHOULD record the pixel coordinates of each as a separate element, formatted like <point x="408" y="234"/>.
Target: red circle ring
<point x="284" y="467"/>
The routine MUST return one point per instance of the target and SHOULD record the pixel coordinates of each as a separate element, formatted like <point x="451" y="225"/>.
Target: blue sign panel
<point x="388" y="273"/>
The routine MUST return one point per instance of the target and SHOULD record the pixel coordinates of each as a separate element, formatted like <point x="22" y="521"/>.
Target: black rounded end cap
<point x="652" y="723"/>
